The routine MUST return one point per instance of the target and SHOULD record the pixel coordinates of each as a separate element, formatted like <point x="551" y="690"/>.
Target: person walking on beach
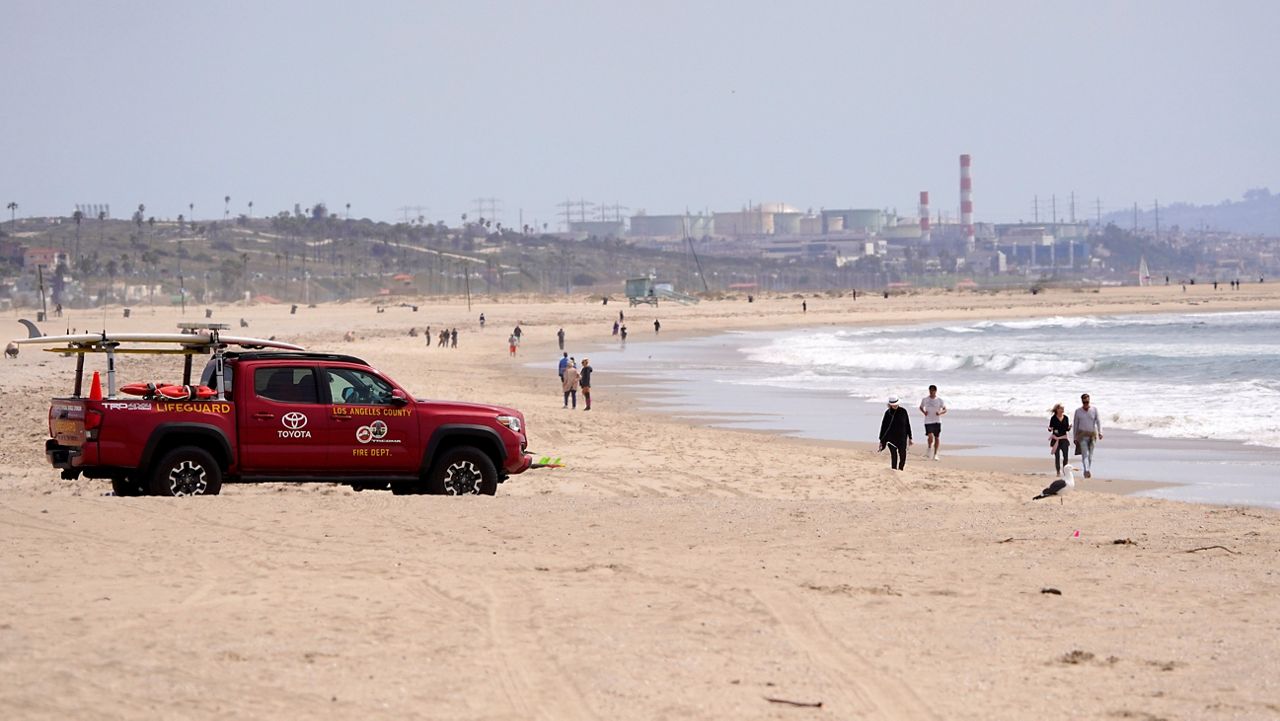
<point x="623" y="332"/>
<point x="615" y="327"/>
<point x="570" y="384"/>
<point x="482" y="321"/>
<point x="517" y="332"/>
<point x="564" y="363"/>
<point x="584" y="381"/>
<point x="656" y="326"/>
<point x="895" y="432"/>
<point x="1059" y="446"/>
<point x="1088" y="431"/>
<point x="560" y="337"/>
<point x="933" y="409"/>
<point x="804" y="306"/>
<point x="453" y="338"/>
<point x="512" y="342"/>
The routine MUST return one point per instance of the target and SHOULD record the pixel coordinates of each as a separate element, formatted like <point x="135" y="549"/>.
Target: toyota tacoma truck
<point x="273" y="414"/>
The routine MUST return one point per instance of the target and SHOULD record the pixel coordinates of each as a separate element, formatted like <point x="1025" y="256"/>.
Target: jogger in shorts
<point x="933" y="409"/>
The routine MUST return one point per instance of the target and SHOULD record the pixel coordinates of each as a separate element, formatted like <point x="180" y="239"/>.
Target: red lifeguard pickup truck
<point x="280" y="415"/>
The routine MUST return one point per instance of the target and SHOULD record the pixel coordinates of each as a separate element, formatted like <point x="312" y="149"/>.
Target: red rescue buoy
<point x="170" y="391"/>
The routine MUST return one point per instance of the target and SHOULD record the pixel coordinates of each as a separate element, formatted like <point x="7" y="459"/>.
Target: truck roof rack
<point x="293" y="355"/>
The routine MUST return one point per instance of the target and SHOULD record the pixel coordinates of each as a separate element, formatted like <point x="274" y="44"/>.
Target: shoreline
<point x="1134" y="458"/>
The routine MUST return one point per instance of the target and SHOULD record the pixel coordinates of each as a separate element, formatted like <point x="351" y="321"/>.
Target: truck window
<point x="286" y="384"/>
<point x="209" y="378"/>
<point x="354" y="387"/>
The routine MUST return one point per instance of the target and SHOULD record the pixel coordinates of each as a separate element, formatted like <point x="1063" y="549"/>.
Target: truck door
<point x="282" y="422"/>
<point x="372" y="433"/>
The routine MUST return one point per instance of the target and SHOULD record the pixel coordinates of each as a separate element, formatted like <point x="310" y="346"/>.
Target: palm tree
<point x="192" y="207"/>
<point x="348" y="211"/>
<point x="13" y="213"/>
<point x="226" y="207"/>
<point x="79" y="218"/>
<point x="250" y="210"/>
<point x="102" y="221"/>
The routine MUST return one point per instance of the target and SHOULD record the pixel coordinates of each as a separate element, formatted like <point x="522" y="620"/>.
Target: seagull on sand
<point x="1060" y="486"/>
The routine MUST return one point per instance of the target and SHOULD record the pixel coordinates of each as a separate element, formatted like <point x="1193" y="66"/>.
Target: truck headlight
<point x="510" y="422"/>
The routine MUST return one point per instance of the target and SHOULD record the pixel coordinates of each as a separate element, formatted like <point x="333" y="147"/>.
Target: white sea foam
<point x="1164" y="376"/>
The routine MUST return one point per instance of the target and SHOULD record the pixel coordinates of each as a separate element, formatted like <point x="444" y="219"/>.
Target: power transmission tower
<point x="1073" y="207"/>
<point x="488" y="208"/>
<point x="1035" y="209"/>
<point x="568" y="213"/>
<point x="611" y="212"/>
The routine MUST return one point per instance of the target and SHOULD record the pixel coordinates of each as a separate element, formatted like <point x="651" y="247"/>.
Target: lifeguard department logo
<point x="375" y="432"/>
<point x="295" y="424"/>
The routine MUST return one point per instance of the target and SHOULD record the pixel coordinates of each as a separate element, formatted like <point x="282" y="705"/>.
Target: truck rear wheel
<point x="186" y="471"/>
<point x="463" y="471"/>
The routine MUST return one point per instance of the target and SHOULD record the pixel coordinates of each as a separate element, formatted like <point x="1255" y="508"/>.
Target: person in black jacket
<point x="1059" y="444"/>
<point x="895" y="432"/>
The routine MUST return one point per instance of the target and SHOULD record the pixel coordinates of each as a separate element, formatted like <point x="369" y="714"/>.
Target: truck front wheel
<point x="186" y="471"/>
<point x="463" y="471"/>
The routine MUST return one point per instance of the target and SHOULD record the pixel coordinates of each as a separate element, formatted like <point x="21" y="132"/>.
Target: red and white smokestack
<point x="925" y="232"/>
<point x="966" y="200"/>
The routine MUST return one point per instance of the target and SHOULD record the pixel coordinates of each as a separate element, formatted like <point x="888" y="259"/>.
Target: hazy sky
<point x="655" y="105"/>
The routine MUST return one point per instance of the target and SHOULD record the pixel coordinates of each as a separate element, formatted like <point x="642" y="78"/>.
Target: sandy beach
<point x="670" y="570"/>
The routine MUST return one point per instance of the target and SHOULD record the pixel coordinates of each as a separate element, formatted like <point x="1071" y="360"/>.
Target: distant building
<point x="48" y="257"/>
<point x="862" y="220"/>
<point x="671" y="226"/>
<point x="598" y="228"/>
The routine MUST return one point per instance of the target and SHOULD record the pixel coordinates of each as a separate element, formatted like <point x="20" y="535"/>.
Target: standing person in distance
<point x="585" y="382"/>
<point x="933" y="409"/>
<point x="1059" y="445"/>
<point x="482" y="321"/>
<point x="560" y="337"/>
<point x="1088" y="432"/>
<point x="570" y="384"/>
<point x="656" y="325"/>
<point x="564" y="363"/>
<point x="895" y="432"/>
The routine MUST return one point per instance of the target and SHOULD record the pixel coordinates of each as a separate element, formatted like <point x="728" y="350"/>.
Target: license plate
<point x="68" y="432"/>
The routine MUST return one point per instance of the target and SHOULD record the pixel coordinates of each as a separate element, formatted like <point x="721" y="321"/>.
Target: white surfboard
<point x="188" y="339"/>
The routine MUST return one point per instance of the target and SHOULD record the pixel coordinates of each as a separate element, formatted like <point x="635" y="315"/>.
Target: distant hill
<point x="1258" y="213"/>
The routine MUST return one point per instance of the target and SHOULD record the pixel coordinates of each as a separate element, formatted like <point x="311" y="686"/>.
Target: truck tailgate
<point x="66" y="422"/>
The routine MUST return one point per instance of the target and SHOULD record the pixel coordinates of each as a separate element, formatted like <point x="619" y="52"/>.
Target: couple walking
<point x="571" y="379"/>
<point x="895" y="428"/>
<point x="1088" y="431"/>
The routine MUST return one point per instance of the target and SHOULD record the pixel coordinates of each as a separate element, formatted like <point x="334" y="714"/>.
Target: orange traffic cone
<point x="95" y="388"/>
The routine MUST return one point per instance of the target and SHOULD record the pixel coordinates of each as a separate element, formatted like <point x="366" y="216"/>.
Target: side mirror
<point x="399" y="397"/>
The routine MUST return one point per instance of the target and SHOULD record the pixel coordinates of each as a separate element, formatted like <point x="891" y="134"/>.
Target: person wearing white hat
<point x="895" y="432"/>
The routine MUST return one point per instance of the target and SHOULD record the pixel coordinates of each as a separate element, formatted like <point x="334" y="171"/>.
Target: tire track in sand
<point x="529" y="677"/>
<point x="862" y="689"/>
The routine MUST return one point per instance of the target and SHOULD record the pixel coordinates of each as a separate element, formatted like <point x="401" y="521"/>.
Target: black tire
<point x="186" y="471"/>
<point x="463" y="471"/>
<point x="128" y="487"/>
<point x="407" y="489"/>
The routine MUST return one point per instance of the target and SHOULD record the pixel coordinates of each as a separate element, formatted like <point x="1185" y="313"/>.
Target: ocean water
<point x="1189" y="399"/>
<point x="1205" y="376"/>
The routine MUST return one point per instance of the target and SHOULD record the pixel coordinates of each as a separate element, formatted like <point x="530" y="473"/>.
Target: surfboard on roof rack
<point x="194" y="338"/>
